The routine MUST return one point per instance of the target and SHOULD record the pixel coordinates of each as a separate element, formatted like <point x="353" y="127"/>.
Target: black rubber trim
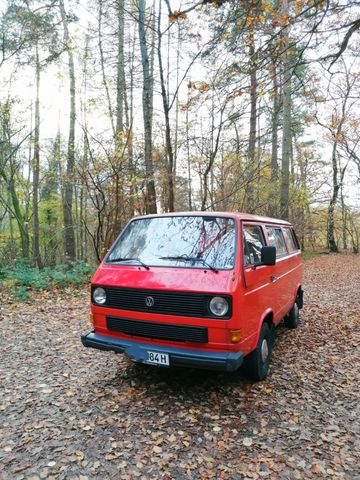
<point x="179" y="357"/>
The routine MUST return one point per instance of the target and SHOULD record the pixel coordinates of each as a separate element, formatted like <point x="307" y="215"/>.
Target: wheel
<point x="293" y="318"/>
<point x="256" y="364"/>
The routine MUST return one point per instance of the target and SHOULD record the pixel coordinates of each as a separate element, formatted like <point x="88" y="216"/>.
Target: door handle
<point x="273" y="278"/>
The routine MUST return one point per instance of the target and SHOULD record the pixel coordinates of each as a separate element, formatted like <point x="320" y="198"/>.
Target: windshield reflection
<point x="178" y="242"/>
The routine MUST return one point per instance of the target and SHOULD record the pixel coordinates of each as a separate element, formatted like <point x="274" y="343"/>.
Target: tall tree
<point x="120" y="77"/>
<point x="69" y="233"/>
<point x="36" y="167"/>
<point x="253" y="120"/>
<point x="9" y="173"/>
<point x="339" y="127"/>
<point x="102" y="64"/>
<point x="147" y="106"/>
<point x="286" y="114"/>
<point x="166" y="107"/>
<point x="35" y="25"/>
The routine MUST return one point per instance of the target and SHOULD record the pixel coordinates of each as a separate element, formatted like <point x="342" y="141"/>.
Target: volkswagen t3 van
<point x="197" y="290"/>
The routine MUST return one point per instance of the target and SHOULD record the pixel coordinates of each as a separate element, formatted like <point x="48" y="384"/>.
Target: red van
<point x="197" y="289"/>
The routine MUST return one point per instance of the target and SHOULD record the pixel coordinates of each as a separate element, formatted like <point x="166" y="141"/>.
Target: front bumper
<point x="179" y="357"/>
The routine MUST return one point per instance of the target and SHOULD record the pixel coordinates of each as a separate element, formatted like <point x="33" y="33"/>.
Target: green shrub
<point x="22" y="294"/>
<point x="56" y="276"/>
<point x="27" y="278"/>
<point x="79" y="274"/>
<point x="3" y="273"/>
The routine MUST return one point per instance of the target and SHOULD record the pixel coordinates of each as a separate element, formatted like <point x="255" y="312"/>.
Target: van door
<point x="294" y="261"/>
<point x="257" y="297"/>
<point x="281" y="284"/>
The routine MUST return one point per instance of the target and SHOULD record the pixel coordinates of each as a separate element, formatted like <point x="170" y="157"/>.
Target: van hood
<point x="164" y="278"/>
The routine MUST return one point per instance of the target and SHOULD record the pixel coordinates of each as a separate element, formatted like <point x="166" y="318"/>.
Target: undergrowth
<point x="22" y="278"/>
<point x="309" y="254"/>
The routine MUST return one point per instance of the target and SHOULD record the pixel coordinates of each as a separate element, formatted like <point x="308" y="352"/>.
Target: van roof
<point x="240" y="215"/>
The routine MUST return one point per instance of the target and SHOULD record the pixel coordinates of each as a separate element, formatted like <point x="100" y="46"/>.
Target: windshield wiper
<point x="186" y="258"/>
<point x="136" y="259"/>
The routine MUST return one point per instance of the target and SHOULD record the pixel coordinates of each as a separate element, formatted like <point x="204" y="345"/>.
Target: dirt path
<point x="67" y="412"/>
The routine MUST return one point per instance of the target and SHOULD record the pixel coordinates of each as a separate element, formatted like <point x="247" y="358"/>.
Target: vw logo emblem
<point x="149" y="301"/>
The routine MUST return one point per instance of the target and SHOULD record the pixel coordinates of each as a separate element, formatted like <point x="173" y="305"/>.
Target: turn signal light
<point x="235" y="336"/>
<point x="91" y="319"/>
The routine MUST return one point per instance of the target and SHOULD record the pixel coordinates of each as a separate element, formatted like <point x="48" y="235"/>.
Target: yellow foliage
<point x="249" y="21"/>
<point x="299" y="6"/>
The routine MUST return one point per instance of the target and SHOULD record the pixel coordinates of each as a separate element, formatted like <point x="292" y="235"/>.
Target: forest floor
<point x="67" y="412"/>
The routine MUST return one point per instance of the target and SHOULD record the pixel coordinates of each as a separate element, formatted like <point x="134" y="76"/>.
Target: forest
<point x="112" y="109"/>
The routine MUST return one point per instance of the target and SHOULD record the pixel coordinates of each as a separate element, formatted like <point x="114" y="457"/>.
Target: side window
<point x="253" y="242"/>
<point x="290" y="240"/>
<point x="295" y="239"/>
<point x="276" y="239"/>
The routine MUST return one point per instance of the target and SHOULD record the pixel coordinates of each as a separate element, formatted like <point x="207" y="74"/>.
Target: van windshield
<point x="183" y="241"/>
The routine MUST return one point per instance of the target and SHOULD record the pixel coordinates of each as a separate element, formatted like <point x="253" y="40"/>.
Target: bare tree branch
<point x="335" y="56"/>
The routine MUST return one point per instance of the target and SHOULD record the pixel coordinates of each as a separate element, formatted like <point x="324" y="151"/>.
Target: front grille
<point x="168" y="303"/>
<point x="164" y="331"/>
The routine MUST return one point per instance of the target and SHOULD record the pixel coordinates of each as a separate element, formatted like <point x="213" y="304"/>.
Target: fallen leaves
<point x="69" y="412"/>
<point x="247" y="442"/>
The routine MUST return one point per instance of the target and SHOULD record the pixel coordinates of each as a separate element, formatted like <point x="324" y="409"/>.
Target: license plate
<point x="156" y="358"/>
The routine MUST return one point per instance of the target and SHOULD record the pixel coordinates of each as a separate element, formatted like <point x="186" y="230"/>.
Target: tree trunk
<point x="214" y="147"/>
<point x="7" y="156"/>
<point x="102" y="63"/>
<point x="177" y="103"/>
<point x="253" y="117"/>
<point x="302" y="219"/>
<point x="70" y="250"/>
<point x="16" y="212"/>
<point x="21" y="221"/>
<point x="331" y="209"/>
<point x="286" y="140"/>
<point x="147" y="98"/>
<point x="169" y="148"/>
<point x="37" y="262"/>
<point x="129" y="114"/>
<point x="343" y="217"/>
<point x="272" y="208"/>
<point x="274" y="127"/>
<point x="120" y="80"/>
<point x="118" y="179"/>
<point x="336" y="135"/>
<point x="188" y="156"/>
<point x="84" y="160"/>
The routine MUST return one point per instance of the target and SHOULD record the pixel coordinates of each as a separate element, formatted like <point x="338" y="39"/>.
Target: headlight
<point x="219" y="306"/>
<point x="99" y="296"/>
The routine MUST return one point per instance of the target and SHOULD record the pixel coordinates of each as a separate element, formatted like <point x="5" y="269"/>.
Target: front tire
<point x="256" y="364"/>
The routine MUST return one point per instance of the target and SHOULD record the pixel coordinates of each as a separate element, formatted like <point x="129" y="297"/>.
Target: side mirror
<point x="268" y="255"/>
